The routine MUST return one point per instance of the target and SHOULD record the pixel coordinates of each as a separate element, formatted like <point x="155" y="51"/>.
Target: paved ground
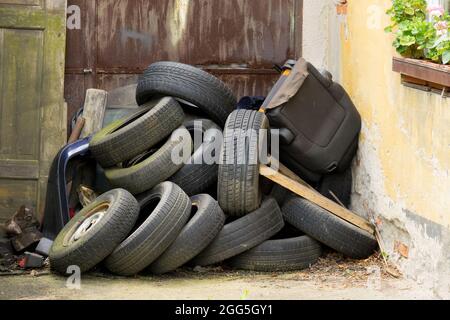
<point x="331" y="278"/>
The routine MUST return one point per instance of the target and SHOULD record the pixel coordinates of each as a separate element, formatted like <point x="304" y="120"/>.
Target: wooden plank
<point x="414" y="80"/>
<point x="287" y="172"/>
<point x="425" y="85"/>
<point x="22" y="2"/>
<point x="424" y="64"/>
<point x="53" y="119"/>
<point x="19" y="169"/>
<point x="20" y="98"/>
<point x="424" y="70"/>
<point x="22" y="17"/>
<point x="117" y="42"/>
<point x="94" y="111"/>
<point x="296" y="34"/>
<point x="315" y="197"/>
<point x="15" y="193"/>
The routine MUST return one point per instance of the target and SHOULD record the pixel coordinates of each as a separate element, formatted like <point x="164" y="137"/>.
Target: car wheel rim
<point x="87" y="225"/>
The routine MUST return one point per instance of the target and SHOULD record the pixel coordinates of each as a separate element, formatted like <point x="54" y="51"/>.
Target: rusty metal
<point x="23" y="228"/>
<point x="76" y="132"/>
<point x="237" y="40"/>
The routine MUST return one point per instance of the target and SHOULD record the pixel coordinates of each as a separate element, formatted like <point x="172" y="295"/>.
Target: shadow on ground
<point x="332" y="278"/>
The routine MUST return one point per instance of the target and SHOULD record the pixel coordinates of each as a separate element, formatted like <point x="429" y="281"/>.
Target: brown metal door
<point x="32" y="111"/>
<point x="238" y="40"/>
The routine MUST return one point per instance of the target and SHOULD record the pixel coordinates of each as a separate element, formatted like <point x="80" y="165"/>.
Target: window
<point x="444" y="3"/>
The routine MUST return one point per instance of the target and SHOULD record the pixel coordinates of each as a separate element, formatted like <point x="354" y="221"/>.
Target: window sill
<point x="423" y="75"/>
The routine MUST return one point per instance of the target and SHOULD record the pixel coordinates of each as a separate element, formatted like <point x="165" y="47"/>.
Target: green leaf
<point x="410" y="11"/>
<point x="446" y="57"/>
<point x="407" y="40"/>
<point x="413" y="31"/>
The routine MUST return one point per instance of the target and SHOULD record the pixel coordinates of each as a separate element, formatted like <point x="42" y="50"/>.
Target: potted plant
<point x="421" y="31"/>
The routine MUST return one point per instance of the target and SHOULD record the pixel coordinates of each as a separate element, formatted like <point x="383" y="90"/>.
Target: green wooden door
<point x="32" y="110"/>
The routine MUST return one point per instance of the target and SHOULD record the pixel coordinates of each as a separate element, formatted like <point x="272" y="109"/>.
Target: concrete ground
<point x="331" y="278"/>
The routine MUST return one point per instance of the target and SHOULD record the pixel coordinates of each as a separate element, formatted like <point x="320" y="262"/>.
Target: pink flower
<point x="436" y="10"/>
<point x="441" y="28"/>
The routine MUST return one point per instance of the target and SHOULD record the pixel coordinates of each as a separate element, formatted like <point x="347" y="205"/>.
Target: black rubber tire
<point x="280" y="255"/>
<point x="153" y="170"/>
<point x="102" y="238"/>
<point x="239" y="189"/>
<point x="201" y="230"/>
<point x="196" y="176"/>
<point x="189" y="84"/>
<point x="124" y="139"/>
<point x="330" y="230"/>
<point x="340" y="184"/>
<point x="281" y="194"/>
<point x="154" y="235"/>
<point x="243" y="234"/>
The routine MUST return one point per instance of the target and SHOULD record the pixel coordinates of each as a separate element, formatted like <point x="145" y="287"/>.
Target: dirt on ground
<point x="333" y="277"/>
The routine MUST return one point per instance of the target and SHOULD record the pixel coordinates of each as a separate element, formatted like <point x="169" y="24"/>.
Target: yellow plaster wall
<point x="412" y="126"/>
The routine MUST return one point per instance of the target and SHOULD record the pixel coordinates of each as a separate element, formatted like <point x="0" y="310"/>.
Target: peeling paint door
<point x="110" y="42"/>
<point x="32" y="110"/>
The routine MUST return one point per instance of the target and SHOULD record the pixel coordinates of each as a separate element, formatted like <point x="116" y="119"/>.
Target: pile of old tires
<point x="161" y="215"/>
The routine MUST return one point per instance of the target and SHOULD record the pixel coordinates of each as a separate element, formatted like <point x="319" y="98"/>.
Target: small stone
<point x="199" y="269"/>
